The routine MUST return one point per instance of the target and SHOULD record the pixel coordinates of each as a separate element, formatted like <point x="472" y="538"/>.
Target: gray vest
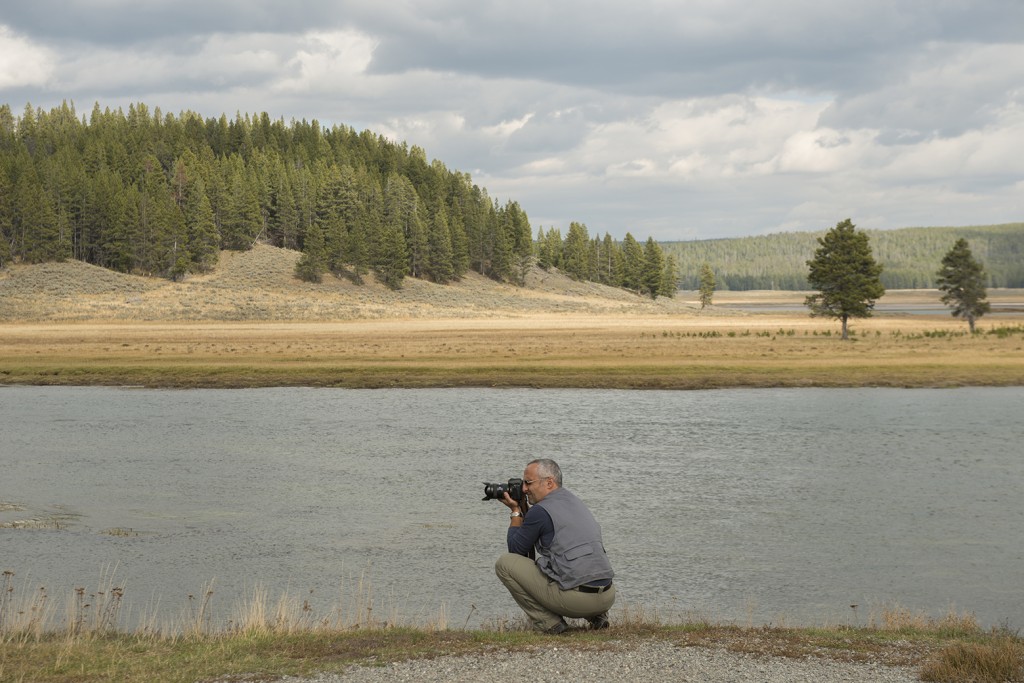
<point x="577" y="554"/>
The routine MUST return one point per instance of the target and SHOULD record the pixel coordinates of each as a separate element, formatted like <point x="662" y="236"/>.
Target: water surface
<point x="747" y="505"/>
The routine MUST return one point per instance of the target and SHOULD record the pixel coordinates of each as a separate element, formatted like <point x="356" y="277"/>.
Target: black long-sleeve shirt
<point x="536" y="525"/>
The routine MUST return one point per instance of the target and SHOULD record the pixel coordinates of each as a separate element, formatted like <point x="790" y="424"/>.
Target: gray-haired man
<point x="571" y="576"/>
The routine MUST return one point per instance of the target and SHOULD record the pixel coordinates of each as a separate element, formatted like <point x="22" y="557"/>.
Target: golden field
<point x="251" y="323"/>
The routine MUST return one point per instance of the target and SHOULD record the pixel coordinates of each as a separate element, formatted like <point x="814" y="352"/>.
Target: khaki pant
<point x="542" y="600"/>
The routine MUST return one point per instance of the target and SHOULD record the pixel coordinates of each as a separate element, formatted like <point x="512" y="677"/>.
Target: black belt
<point x="593" y="589"/>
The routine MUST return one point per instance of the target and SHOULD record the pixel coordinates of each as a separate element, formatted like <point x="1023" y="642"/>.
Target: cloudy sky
<point x="677" y="119"/>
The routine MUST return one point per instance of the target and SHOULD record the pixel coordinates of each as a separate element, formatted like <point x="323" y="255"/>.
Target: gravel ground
<point x="650" y="662"/>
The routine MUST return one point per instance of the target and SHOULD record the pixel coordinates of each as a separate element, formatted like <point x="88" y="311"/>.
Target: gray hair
<point x="546" y="467"/>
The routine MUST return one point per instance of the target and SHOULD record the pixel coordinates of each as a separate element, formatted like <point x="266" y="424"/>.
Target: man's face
<point x="536" y="487"/>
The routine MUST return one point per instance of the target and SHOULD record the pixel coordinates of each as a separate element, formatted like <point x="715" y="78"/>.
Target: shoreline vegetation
<point x="251" y="323"/>
<point x="85" y="639"/>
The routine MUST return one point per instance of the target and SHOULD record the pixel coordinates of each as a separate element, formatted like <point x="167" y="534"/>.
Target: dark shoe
<point x="598" y="622"/>
<point x="557" y="629"/>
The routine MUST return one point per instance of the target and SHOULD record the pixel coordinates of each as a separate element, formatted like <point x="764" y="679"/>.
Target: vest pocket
<point x="579" y="551"/>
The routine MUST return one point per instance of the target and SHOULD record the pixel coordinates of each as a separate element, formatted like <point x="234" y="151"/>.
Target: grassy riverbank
<point x="85" y="638"/>
<point x="952" y="649"/>
<point x="251" y="323"/>
<point x="539" y="351"/>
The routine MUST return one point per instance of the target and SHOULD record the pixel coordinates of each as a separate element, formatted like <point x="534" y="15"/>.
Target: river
<point x="751" y="506"/>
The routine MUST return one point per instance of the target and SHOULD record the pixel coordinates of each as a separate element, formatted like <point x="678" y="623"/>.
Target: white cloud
<point x="23" y="62"/>
<point x="329" y="59"/>
<point x="505" y="129"/>
<point x="824" y="150"/>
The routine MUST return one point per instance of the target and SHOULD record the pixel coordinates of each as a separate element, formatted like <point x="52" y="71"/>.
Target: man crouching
<point x="572" y="576"/>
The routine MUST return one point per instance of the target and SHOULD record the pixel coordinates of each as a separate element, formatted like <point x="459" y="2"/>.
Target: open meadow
<point x="251" y="323"/>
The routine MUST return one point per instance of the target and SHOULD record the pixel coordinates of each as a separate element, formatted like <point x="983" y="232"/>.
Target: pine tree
<point x="358" y="249"/>
<point x="576" y="252"/>
<point x="476" y="212"/>
<point x="543" y="256"/>
<point x="460" y="241"/>
<point x="35" y="223"/>
<point x="283" y="222"/>
<point x="653" y="268"/>
<point x="440" y="268"/>
<point x="392" y="260"/>
<point x="402" y="212"/>
<point x="162" y="234"/>
<point x="63" y="174"/>
<point x="595" y="259"/>
<point x="202" y="240"/>
<point x="120" y="230"/>
<point x="503" y="245"/>
<point x="7" y="128"/>
<point x="549" y="248"/>
<point x="6" y="210"/>
<point x="312" y="265"/>
<point x="845" y="274"/>
<point x="365" y="226"/>
<point x="611" y="255"/>
<point x="632" y="264"/>
<point x="242" y="222"/>
<point x="707" y="285"/>
<point x="330" y="217"/>
<point x="962" y="281"/>
<point x="522" y="242"/>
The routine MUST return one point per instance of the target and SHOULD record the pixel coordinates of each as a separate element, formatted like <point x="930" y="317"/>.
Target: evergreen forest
<point x="161" y="194"/>
<point x="910" y="257"/>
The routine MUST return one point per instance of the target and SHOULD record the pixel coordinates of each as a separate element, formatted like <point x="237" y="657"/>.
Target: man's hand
<point x="511" y="504"/>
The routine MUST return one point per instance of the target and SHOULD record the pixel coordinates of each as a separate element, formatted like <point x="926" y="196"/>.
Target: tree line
<point x="910" y="257"/>
<point x="161" y="194"/>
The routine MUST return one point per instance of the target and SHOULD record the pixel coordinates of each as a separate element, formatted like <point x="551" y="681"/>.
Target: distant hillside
<point x="910" y="257"/>
<point x="260" y="285"/>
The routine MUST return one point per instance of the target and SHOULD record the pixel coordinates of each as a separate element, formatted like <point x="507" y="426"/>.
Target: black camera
<point x="514" y="488"/>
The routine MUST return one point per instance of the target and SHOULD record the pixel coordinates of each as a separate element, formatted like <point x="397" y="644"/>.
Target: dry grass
<point x="951" y="649"/>
<point x="271" y="638"/>
<point x="259" y="285"/>
<point x="288" y="635"/>
<point x="1000" y="661"/>
<point x="538" y="351"/>
<point x="30" y="612"/>
<point x="251" y="323"/>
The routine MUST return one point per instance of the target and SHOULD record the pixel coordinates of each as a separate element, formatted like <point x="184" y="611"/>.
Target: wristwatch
<point x="516" y="514"/>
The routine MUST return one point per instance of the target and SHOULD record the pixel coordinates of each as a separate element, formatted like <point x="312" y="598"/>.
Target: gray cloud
<point x="129" y="22"/>
<point x="680" y="120"/>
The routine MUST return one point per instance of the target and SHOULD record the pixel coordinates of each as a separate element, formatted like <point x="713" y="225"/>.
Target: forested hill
<point x="159" y="194"/>
<point x="910" y="257"/>
<point x="153" y="194"/>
